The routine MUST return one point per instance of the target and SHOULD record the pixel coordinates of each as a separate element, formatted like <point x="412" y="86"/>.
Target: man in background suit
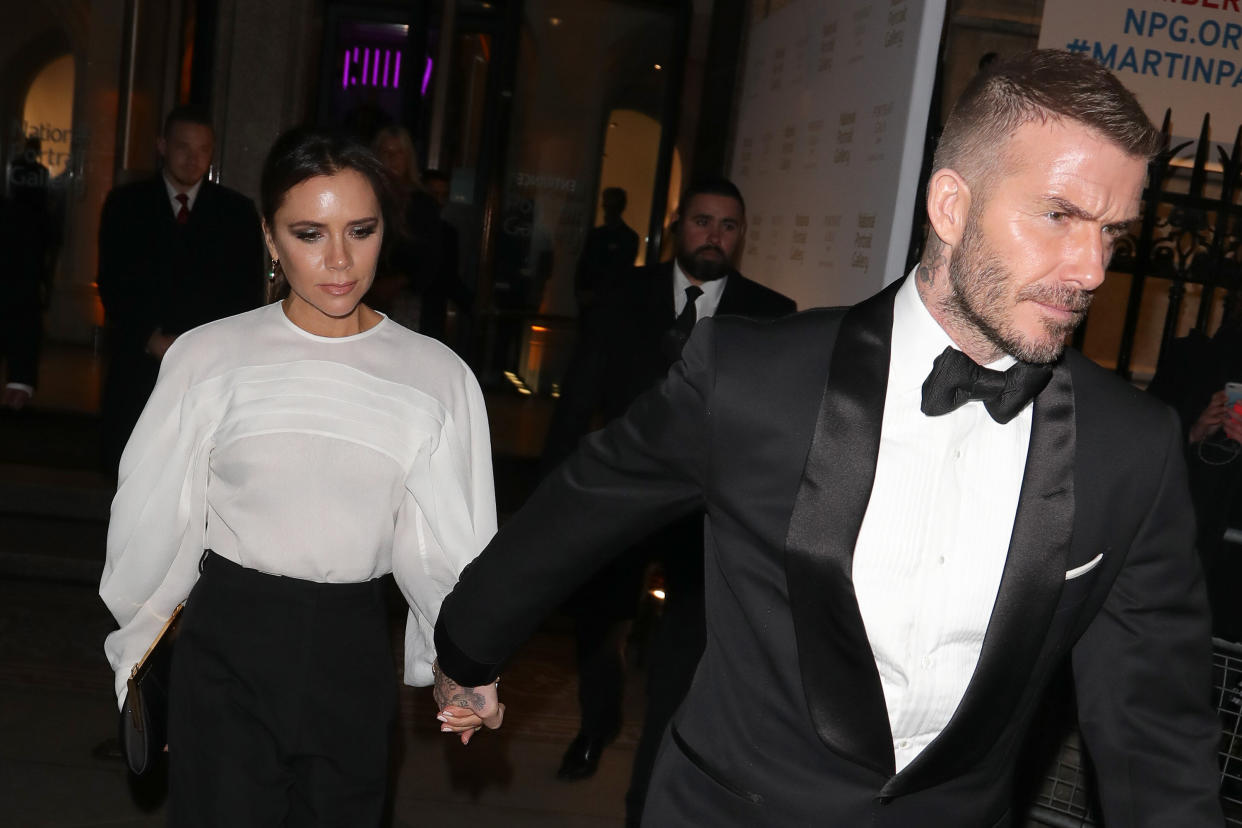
<point x="27" y="237"/>
<point x="904" y="546"/>
<point x="608" y="253"/>
<point x="175" y="252"/>
<point x="628" y="340"/>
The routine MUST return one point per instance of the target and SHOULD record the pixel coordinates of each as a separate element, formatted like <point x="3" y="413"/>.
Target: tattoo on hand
<point x="449" y="693"/>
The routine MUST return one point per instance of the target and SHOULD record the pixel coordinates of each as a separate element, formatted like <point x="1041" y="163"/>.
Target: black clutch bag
<point x="144" y="716"/>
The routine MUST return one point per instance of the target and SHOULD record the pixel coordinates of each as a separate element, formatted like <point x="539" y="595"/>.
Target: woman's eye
<point x="309" y="235"/>
<point x="362" y="232"/>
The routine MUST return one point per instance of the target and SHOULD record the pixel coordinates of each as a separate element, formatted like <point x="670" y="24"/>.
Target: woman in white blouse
<point x="287" y="459"/>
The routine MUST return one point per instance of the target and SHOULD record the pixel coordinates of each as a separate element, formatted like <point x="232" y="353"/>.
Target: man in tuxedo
<point x="902" y="546"/>
<point x="175" y="252"/>
<point x="627" y="342"/>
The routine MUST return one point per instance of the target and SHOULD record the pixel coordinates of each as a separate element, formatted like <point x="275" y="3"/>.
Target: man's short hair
<point x="1043" y="85"/>
<point x="186" y="114"/>
<point x="712" y="186"/>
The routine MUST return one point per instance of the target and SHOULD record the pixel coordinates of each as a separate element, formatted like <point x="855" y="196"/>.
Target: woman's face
<point x="327" y="235"/>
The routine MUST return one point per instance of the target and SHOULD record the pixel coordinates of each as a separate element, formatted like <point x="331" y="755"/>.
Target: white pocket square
<point x="1085" y="568"/>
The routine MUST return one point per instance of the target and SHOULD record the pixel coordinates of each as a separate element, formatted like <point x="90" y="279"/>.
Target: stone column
<point x="266" y="72"/>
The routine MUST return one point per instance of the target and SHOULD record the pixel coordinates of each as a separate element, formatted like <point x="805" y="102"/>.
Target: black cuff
<point x="458" y="666"/>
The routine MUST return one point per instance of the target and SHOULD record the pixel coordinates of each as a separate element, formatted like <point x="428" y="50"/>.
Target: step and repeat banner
<point x="1180" y="54"/>
<point x="829" y="142"/>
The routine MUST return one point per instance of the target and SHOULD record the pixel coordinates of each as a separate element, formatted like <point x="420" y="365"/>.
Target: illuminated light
<point x="366" y="62"/>
<point x="387" y="60"/>
<point x="510" y="376"/>
<point x="524" y="391"/>
<point x="354" y="81"/>
<point x="555" y="21"/>
<point x="657" y="594"/>
<point x="427" y="75"/>
<point x="345" y="73"/>
<point x="658" y="67"/>
<point x="612" y="125"/>
<point x="375" y="70"/>
<point x="539" y="328"/>
<point x="396" y="72"/>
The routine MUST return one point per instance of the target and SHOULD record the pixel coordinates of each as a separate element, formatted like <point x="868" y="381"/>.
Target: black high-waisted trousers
<point x="282" y="702"/>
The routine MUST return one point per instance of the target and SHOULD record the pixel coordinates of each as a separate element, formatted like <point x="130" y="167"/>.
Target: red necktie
<point x="183" y="215"/>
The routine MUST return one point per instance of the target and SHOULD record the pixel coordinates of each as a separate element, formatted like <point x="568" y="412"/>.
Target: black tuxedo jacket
<point x="774" y="430"/>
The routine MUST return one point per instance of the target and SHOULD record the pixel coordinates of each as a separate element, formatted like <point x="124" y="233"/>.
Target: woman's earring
<point x="271" y="272"/>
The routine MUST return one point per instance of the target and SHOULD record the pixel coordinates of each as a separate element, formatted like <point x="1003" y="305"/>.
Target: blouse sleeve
<point x="447" y="517"/>
<point x="157" y="525"/>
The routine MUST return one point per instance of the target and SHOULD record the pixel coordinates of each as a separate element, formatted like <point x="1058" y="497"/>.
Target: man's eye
<point x="1055" y="216"/>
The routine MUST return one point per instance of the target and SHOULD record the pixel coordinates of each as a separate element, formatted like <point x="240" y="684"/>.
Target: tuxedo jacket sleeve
<point x="635" y="475"/>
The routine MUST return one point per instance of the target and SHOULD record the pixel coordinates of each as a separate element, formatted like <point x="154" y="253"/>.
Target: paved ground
<point x="56" y="707"/>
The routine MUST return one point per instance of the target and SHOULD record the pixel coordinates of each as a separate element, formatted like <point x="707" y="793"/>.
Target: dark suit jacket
<point x="774" y="430"/>
<point x="619" y="353"/>
<point x="157" y="274"/>
<point x="25" y="236"/>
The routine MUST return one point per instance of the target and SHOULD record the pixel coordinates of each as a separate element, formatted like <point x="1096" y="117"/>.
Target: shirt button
<point x="927" y="661"/>
<point x="957" y="454"/>
<point x="940" y="560"/>
<point x="903" y="744"/>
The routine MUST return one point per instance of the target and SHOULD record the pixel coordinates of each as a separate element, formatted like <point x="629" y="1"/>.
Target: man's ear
<point x="161" y="146"/>
<point x="948" y="205"/>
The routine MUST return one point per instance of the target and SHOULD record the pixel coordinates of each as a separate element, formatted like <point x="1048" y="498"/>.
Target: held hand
<point x="463" y="710"/>
<point x="1212" y="418"/>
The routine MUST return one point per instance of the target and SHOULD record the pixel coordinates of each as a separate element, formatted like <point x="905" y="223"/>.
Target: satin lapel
<point x="1029" y="589"/>
<point x="839" y="676"/>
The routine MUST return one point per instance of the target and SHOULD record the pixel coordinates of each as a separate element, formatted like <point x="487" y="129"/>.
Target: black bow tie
<point x="955" y="379"/>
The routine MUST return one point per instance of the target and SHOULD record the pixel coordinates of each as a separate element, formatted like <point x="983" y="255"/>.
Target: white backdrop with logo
<point x="829" y="142"/>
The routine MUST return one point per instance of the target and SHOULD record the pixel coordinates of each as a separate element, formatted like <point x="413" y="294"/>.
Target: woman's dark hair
<point x="301" y="154"/>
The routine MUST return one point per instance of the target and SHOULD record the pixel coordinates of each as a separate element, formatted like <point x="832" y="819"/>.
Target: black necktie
<point x="183" y="212"/>
<point x="676" y="336"/>
<point x="955" y="379"/>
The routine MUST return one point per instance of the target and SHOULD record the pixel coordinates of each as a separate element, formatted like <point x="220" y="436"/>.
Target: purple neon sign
<point x="372" y="62"/>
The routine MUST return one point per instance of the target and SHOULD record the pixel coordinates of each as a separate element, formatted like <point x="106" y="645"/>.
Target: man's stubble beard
<point x="980" y="293"/>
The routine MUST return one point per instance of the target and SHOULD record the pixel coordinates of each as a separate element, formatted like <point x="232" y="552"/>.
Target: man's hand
<point x="1215" y="417"/>
<point x="158" y="343"/>
<point x="14" y="399"/>
<point x="463" y="710"/>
